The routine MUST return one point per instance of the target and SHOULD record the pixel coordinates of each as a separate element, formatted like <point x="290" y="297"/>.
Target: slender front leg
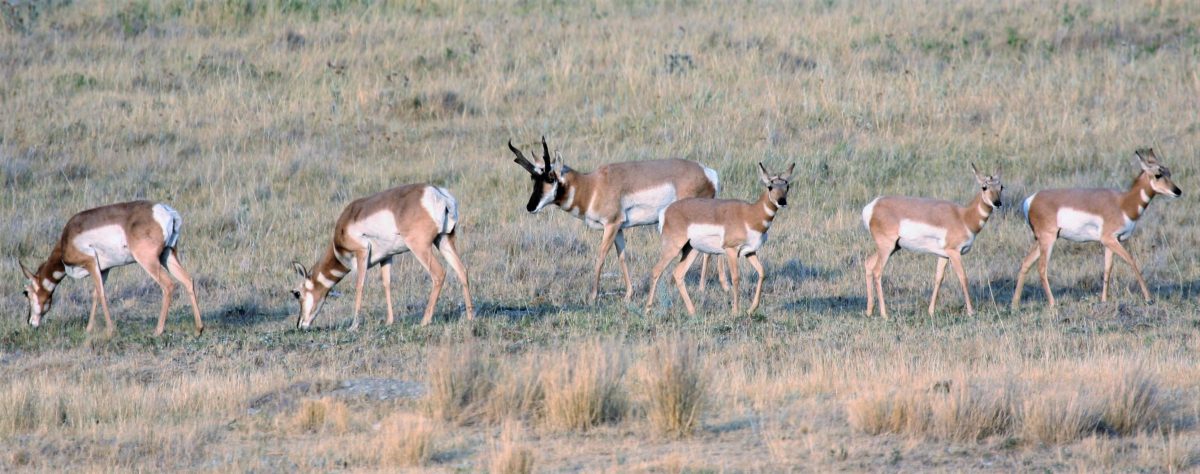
<point x="1034" y="252"/>
<point x="956" y="262"/>
<point x="1108" y="260"/>
<point x="758" y="268"/>
<point x="610" y="234"/>
<point x="680" y="274"/>
<point x="1116" y="247"/>
<point x="424" y="253"/>
<point x="703" y="271"/>
<point x="98" y="281"/>
<point x="937" y="282"/>
<point x="360" y="280"/>
<point x="734" y="278"/>
<point x="620" y="243"/>
<point x="385" y="273"/>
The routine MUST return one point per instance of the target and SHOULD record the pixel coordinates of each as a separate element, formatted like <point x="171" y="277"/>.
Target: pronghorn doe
<point x="719" y="226"/>
<point x="96" y="240"/>
<point x="617" y="196"/>
<point x="373" y="229"/>
<point x="932" y="226"/>
<point x="1107" y="216"/>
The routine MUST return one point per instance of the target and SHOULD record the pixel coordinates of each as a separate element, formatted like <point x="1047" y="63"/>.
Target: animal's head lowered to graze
<point x="39" y="294"/>
<point x="310" y="295"/>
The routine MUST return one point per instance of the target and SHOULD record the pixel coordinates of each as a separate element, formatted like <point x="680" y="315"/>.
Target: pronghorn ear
<point x="521" y="160"/>
<point x="1146" y="158"/>
<point x="300" y="269"/>
<point x="787" y="176"/>
<point x="763" y="175"/>
<point x="978" y="177"/>
<point x="25" y="271"/>
<point x="559" y="167"/>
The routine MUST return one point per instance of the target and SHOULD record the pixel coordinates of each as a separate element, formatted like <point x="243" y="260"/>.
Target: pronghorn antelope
<point x="96" y="240"/>
<point x="933" y="226"/>
<point x="615" y="197"/>
<point x="719" y="226"/>
<point x="1090" y="215"/>
<point x="373" y="229"/>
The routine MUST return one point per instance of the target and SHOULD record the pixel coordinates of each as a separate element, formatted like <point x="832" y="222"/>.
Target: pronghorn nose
<point x="1178" y="192"/>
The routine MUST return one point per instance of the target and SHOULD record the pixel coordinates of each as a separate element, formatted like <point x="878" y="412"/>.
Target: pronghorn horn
<point x="521" y="160"/>
<point x="546" y="153"/>
<point x="25" y="271"/>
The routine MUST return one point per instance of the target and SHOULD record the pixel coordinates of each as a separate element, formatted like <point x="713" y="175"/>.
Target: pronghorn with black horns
<point x="615" y="197"/>
<point x="96" y="240"/>
<point x="719" y="226"/>
<point x="1107" y="216"/>
<point x="413" y="218"/>
<point x="933" y="226"/>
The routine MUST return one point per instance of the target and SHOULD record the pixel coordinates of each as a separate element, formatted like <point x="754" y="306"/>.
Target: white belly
<point x="1126" y="230"/>
<point x="754" y="241"/>
<point x="921" y="237"/>
<point x="641" y="208"/>
<point x="707" y="238"/>
<point x="380" y="233"/>
<point x="108" y="244"/>
<point x="1079" y="226"/>
<point x="966" y="245"/>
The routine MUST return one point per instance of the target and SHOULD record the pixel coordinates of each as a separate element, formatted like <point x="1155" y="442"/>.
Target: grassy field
<point x="260" y="120"/>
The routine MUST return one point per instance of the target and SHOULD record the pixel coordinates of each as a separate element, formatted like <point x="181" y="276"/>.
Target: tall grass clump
<point x="324" y="415"/>
<point x="459" y="381"/>
<point x="517" y="393"/>
<point x="407" y="440"/>
<point x="673" y="385"/>
<point x="1057" y="417"/>
<point x="957" y="410"/>
<point x="583" y="388"/>
<point x="1131" y="402"/>
<point x="510" y="455"/>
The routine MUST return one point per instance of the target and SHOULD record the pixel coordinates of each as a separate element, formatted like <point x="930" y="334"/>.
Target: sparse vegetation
<point x="260" y="120"/>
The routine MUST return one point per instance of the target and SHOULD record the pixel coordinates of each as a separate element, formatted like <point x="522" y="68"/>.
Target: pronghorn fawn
<point x="96" y="240"/>
<point x="932" y="226"/>
<point x="1107" y="216"/>
<point x="719" y="226"/>
<point x="615" y="197"/>
<point x="413" y="218"/>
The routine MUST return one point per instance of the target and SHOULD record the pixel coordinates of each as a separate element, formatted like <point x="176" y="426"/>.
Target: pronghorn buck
<point x="412" y="218"/>
<point x="932" y="226"/>
<point x="719" y="226"/>
<point x="96" y="240"/>
<point x="1107" y="216"/>
<point x="615" y="197"/>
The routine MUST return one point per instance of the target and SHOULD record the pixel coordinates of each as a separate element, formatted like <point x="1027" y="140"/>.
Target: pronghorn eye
<point x="25" y="292"/>
<point x="296" y="293"/>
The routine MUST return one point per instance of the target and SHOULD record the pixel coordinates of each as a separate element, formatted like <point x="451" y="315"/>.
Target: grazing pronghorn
<point x="615" y="197"/>
<point x="719" y="226"/>
<point x="933" y="226"/>
<point x="373" y="229"/>
<point x="96" y="240"/>
<point x="1107" y="216"/>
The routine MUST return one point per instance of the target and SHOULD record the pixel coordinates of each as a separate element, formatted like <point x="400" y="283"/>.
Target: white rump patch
<point x="869" y="211"/>
<point x="170" y="221"/>
<point x="922" y="237"/>
<point x="707" y="238"/>
<point x="1025" y="207"/>
<point x="641" y="208"/>
<point x="380" y="233"/>
<point x="442" y="208"/>
<point x="107" y="243"/>
<point x="1079" y="226"/>
<point x="711" y="174"/>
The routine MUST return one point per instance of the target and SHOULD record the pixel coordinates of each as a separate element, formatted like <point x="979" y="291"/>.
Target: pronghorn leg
<point x="703" y="271"/>
<point x="956" y="262"/>
<point x="610" y="234"/>
<point x="424" y="253"/>
<point x="450" y="252"/>
<point x="385" y="273"/>
<point x="869" y="271"/>
<point x="91" y="324"/>
<point x="1116" y="247"/>
<point x="1034" y="252"/>
<point x="148" y="259"/>
<point x="619" y="241"/>
<point x="937" y="282"/>
<point x="734" y="278"/>
<point x="758" y="268"/>
<point x="1108" y="261"/>
<point x="669" y="251"/>
<point x="1046" y="247"/>
<point x="883" y="252"/>
<point x="176" y="270"/>
<point x="98" y="278"/>
<point x="679" y="274"/>
<point x="362" y="260"/>
<point x="721" y="274"/>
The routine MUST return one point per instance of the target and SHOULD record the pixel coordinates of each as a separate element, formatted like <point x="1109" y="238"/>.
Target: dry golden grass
<point x="673" y="384"/>
<point x="259" y="120"/>
<point x="509" y="453"/>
